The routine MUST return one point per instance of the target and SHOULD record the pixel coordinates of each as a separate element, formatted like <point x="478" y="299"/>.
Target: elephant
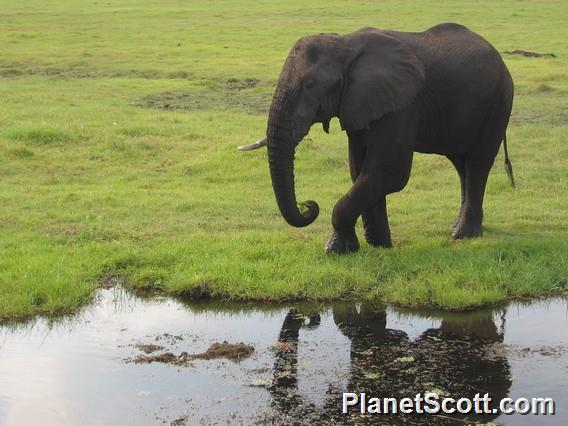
<point x="443" y="91"/>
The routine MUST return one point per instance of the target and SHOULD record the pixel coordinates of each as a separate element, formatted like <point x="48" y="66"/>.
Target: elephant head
<point x="358" y="77"/>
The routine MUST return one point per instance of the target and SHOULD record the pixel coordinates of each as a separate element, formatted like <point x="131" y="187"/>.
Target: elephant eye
<point x="310" y="83"/>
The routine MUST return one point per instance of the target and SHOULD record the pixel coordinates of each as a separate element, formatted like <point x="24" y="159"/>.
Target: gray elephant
<point x="445" y="91"/>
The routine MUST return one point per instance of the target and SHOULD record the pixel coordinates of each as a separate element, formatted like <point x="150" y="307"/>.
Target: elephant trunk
<point x="281" y="144"/>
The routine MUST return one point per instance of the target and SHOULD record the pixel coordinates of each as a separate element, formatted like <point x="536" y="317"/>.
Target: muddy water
<point x="84" y="369"/>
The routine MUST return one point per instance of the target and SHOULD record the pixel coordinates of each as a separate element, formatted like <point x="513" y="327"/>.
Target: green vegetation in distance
<point x="118" y="127"/>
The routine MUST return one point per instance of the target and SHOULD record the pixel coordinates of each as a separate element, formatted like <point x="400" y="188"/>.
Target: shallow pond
<point x="103" y="366"/>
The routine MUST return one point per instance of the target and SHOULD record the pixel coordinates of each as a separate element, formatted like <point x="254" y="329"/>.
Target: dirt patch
<point x="236" y="84"/>
<point x="529" y="54"/>
<point x="243" y="95"/>
<point x="149" y="348"/>
<point x="234" y="352"/>
<point x="545" y="115"/>
<point x="164" y="358"/>
<point x="175" y="101"/>
<point x="16" y="70"/>
<point x="243" y="100"/>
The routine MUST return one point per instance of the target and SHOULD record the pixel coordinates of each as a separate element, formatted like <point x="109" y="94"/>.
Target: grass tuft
<point x="20" y="153"/>
<point x="40" y="135"/>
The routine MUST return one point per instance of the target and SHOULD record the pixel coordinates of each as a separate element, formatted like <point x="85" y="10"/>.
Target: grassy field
<point x="118" y="127"/>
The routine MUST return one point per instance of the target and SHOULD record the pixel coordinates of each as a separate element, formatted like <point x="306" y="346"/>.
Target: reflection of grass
<point x="95" y="183"/>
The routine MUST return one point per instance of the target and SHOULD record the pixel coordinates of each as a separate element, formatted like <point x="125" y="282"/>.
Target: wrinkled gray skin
<point x="444" y="91"/>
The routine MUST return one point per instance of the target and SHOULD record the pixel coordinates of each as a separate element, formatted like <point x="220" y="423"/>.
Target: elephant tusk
<point x="258" y="144"/>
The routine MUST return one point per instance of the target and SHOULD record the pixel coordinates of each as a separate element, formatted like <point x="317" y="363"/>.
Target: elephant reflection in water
<point x="460" y="358"/>
<point x="285" y="383"/>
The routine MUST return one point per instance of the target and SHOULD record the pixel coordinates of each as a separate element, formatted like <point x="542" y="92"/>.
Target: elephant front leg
<point x="375" y="220"/>
<point x="380" y="161"/>
<point x="375" y="223"/>
<point x="344" y="240"/>
<point x="342" y="243"/>
<point x="345" y="214"/>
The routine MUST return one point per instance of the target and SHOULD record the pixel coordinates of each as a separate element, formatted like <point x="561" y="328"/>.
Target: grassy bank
<point x="118" y="128"/>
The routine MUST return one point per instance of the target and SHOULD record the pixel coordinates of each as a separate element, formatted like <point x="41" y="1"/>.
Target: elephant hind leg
<point x="459" y="163"/>
<point x="478" y="164"/>
<point x="469" y="224"/>
<point x="477" y="167"/>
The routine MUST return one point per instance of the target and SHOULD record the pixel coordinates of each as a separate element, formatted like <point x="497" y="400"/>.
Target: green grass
<point x="118" y="127"/>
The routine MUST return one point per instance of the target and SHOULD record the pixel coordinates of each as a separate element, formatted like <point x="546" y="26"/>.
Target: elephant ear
<point x="383" y="76"/>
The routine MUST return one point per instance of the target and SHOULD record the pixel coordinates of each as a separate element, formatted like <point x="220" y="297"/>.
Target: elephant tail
<point x="508" y="165"/>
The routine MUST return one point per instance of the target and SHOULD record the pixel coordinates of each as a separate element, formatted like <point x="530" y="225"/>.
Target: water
<point x="79" y="370"/>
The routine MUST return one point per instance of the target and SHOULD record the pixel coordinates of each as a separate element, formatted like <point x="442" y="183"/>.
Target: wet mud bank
<point x="127" y="360"/>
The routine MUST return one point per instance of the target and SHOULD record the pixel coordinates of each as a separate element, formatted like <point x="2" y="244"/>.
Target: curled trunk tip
<point x="281" y="160"/>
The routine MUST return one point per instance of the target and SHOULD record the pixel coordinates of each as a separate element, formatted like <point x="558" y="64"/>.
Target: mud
<point x="164" y="358"/>
<point x="552" y="107"/>
<point x="529" y="54"/>
<point x="216" y="94"/>
<point x="247" y="83"/>
<point x="17" y="70"/>
<point x="149" y="348"/>
<point x="230" y="97"/>
<point x="187" y="367"/>
<point x="235" y="352"/>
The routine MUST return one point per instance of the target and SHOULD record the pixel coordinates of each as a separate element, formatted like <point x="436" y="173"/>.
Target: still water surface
<point x="80" y="369"/>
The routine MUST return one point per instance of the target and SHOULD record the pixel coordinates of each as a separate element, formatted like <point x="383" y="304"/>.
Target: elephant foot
<point x="340" y="245"/>
<point x="379" y="241"/>
<point x="455" y="223"/>
<point x="467" y="230"/>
